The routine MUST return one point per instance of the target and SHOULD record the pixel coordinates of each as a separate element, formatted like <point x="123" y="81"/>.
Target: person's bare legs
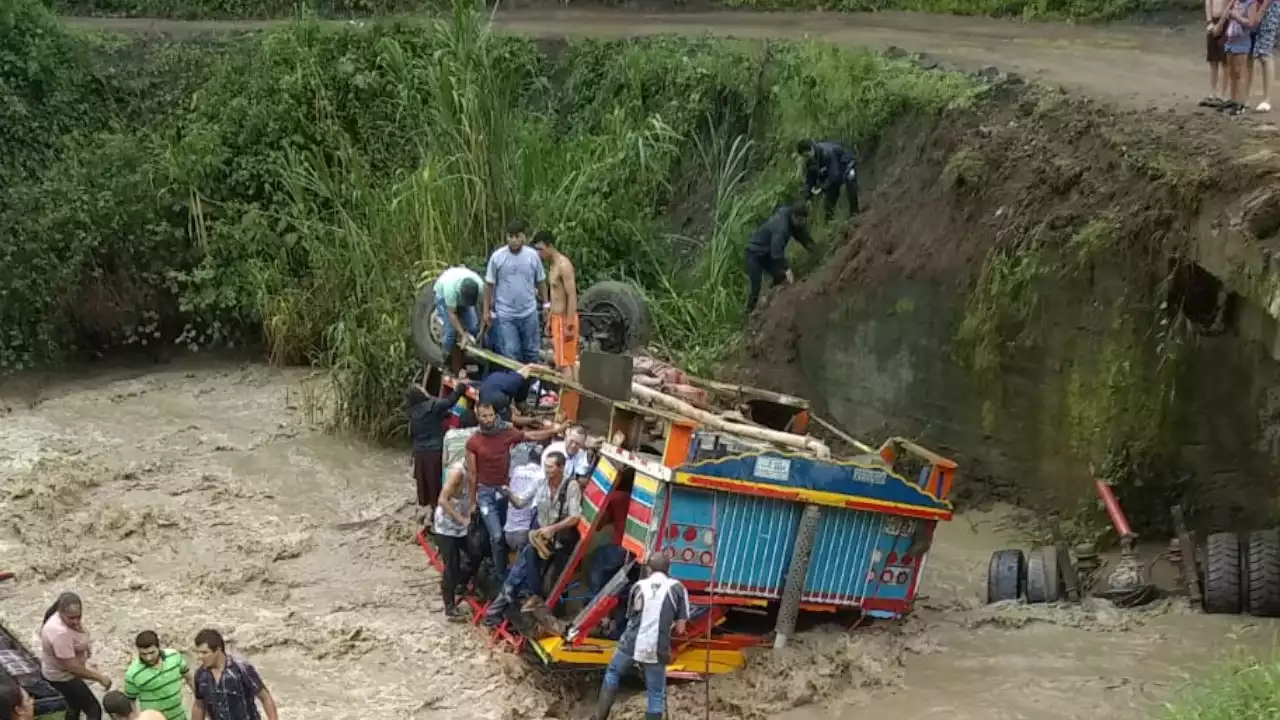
<point x="1268" y="77"/>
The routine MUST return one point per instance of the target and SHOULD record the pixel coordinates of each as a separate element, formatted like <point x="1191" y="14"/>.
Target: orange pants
<point x="564" y="345"/>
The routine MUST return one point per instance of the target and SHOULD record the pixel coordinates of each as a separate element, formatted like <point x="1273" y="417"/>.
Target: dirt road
<point x="201" y="495"/>
<point x="1142" y="66"/>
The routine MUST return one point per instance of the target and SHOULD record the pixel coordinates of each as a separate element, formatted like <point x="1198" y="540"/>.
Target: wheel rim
<point x="435" y="329"/>
<point x="606" y="324"/>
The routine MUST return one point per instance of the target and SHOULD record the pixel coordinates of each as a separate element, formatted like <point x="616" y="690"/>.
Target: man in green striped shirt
<point x="154" y="679"/>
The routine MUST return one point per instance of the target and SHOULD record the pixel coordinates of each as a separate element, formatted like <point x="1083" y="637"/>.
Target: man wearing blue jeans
<point x="457" y="290"/>
<point x="656" y="604"/>
<point x="514" y="282"/>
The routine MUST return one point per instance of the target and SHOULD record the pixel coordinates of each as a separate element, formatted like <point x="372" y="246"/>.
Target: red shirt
<point x="616" y="511"/>
<point x="493" y="455"/>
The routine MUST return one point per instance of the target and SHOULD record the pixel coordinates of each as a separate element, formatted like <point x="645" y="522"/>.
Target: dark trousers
<point x="832" y="196"/>
<point x="428" y="474"/>
<point x="80" y="700"/>
<point x="757" y="266"/>
<point x="455" y="577"/>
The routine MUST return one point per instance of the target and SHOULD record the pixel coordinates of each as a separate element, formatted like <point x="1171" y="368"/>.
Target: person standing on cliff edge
<point x="829" y="166"/>
<point x="767" y="248"/>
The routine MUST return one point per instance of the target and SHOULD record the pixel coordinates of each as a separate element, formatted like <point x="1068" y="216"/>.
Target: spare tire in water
<point x="1044" y="581"/>
<point x="1006" y="575"/>
<point x="614" y="315"/>
<point x="428" y="330"/>
<point x="1222" y="588"/>
<point x="1264" y="573"/>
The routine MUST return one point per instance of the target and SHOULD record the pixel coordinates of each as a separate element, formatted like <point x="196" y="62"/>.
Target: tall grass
<point x="1241" y="690"/>
<point x="310" y="178"/>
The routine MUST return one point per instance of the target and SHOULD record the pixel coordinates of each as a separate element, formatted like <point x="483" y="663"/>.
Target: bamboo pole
<point x="715" y="422"/>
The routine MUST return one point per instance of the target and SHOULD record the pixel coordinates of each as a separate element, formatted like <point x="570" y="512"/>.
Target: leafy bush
<point x="305" y="180"/>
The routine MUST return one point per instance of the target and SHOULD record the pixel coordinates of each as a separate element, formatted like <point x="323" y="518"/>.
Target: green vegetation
<point x="1089" y="10"/>
<point x="293" y="188"/>
<point x="1245" y="690"/>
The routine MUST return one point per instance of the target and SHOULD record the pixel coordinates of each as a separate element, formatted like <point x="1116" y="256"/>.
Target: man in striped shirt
<point x="154" y="679"/>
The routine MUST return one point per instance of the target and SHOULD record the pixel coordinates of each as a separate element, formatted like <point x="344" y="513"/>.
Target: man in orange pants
<point x="562" y="320"/>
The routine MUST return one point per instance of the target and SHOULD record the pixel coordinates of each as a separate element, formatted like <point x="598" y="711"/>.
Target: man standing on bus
<point x="562" y="322"/>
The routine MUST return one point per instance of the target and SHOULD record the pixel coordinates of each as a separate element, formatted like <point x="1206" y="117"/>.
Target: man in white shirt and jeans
<point x="527" y="480"/>
<point x="657" y="604"/>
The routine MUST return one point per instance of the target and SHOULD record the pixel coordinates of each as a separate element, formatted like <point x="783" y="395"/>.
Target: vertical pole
<point x="796" y="575"/>
<point x="711" y="607"/>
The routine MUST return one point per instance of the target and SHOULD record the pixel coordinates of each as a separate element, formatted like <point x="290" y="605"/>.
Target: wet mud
<point x="201" y="496"/>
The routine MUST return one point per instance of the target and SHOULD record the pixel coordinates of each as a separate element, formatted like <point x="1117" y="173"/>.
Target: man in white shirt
<point x="657" y="604"/>
<point x="527" y="480"/>
<point x="574" y="448"/>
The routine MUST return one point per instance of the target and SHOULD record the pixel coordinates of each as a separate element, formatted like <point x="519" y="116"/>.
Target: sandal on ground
<point x="1264" y="106"/>
<point x="1212" y="101"/>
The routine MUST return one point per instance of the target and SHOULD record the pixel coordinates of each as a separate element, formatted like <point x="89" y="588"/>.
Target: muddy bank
<point x="1021" y="294"/>
<point x="201" y="495"/>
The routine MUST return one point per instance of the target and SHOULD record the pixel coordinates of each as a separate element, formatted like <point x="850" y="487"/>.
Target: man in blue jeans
<point x="488" y="473"/>
<point x="656" y="605"/>
<point x="514" y="282"/>
<point x="457" y="290"/>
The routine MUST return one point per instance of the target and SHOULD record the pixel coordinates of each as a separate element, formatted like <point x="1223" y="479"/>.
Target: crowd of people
<point x="1240" y="35"/>
<point x="224" y="687"/>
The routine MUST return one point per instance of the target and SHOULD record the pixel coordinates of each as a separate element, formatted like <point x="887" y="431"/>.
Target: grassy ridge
<point x="1244" y="690"/>
<point x="294" y="187"/>
<point x="1087" y="10"/>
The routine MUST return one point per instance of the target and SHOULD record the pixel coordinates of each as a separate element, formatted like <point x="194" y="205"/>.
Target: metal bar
<point x="842" y="434"/>
<point x="796" y="575"/>
<point x="1187" y="544"/>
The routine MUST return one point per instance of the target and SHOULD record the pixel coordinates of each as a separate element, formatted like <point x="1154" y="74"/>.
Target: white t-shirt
<point x="579" y="464"/>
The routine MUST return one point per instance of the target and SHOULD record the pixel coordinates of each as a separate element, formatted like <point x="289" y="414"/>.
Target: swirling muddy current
<point x="202" y="495"/>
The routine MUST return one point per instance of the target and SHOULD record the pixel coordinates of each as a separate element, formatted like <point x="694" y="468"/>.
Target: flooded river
<point x="200" y="495"/>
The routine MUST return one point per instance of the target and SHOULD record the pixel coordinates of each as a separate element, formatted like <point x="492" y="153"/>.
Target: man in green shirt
<point x="457" y="290"/>
<point x="154" y="679"/>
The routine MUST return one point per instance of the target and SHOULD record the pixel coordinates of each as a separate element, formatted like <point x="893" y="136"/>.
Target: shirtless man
<point x="562" y="321"/>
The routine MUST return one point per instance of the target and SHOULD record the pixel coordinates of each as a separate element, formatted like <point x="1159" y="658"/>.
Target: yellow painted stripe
<point x="607" y="469"/>
<point x="647" y="483"/>
<point x="816" y="497"/>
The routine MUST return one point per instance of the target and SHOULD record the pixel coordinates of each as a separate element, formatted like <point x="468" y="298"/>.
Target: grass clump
<point x="297" y="186"/>
<point x="1243" y="690"/>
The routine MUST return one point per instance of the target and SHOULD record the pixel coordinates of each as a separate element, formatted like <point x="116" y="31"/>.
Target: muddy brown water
<point x="200" y="495"/>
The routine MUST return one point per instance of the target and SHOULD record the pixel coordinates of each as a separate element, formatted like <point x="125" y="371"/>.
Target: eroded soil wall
<point x="1016" y="295"/>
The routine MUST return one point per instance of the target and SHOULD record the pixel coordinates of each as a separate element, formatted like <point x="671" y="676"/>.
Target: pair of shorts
<point x="1264" y="38"/>
<point x="564" y="348"/>
<point x="1215" y="47"/>
<point x="1239" y="45"/>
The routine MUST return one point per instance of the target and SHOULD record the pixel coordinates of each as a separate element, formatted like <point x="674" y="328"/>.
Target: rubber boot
<point x="653" y="716"/>
<point x="605" y="704"/>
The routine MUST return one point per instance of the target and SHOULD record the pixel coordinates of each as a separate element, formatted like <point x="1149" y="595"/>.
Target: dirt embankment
<point x="1151" y="66"/>
<point x="874" y="332"/>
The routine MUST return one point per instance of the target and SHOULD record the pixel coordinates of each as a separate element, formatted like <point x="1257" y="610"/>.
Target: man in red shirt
<point x="488" y="468"/>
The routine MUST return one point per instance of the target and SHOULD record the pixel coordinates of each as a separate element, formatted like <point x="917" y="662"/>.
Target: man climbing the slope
<point x="829" y="166"/>
<point x="514" y="282"/>
<point x="657" y="604"/>
<point x="767" y="248"/>
<point x="457" y="290"/>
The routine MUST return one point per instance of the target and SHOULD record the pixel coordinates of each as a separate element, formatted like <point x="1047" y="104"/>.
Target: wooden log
<point x="861" y="446"/>
<point x="715" y="422"/>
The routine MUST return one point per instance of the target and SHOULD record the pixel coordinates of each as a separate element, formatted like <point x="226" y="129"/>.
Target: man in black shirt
<point x="828" y="166"/>
<point x="767" y="249"/>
